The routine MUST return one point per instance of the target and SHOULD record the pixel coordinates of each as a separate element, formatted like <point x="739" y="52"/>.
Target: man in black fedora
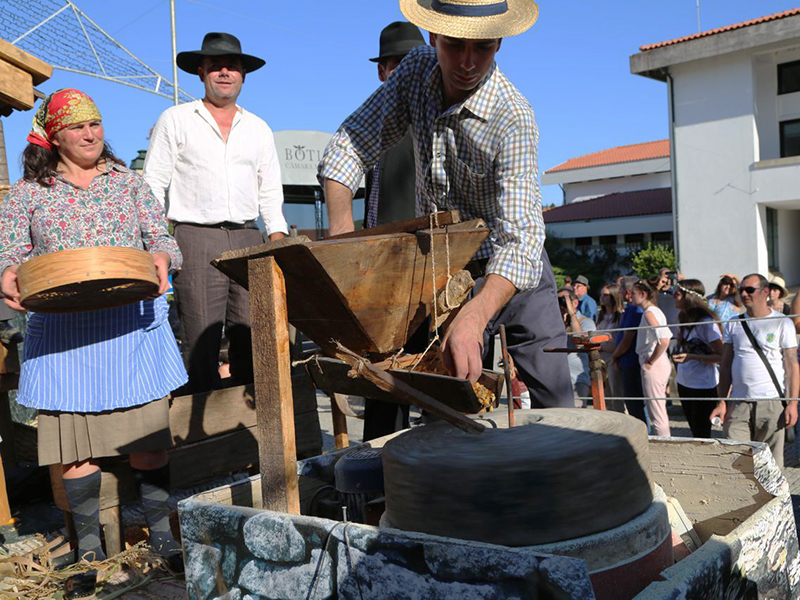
<point x="215" y="167"/>
<point x="390" y="190"/>
<point x="391" y="196"/>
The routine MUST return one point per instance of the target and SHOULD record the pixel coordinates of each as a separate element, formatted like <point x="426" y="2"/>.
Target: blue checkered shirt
<point x="478" y="156"/>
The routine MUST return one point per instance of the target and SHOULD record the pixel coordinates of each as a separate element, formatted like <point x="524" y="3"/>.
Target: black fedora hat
<point x="217" y="44"/>
<point x="398" y="39"/>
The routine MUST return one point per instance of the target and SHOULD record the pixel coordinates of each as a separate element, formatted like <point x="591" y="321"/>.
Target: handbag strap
<point x="760" y="353"/>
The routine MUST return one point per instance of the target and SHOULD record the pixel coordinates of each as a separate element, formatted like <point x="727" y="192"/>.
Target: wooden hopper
<point x="371" y="292"/>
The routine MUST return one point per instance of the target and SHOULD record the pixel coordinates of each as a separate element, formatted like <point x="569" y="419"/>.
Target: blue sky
<point x="573" y="66"/>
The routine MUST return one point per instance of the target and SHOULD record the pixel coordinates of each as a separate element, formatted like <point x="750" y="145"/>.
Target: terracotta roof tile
<point x="621" y="154"/>
<point x="781" y="15"/>
<point x="612" y="206"/>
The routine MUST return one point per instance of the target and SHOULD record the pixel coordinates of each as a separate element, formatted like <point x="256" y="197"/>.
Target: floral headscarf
<point x="59" y="110"/>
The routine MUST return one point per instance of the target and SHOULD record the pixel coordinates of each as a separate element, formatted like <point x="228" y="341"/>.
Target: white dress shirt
<point x="201" y="179"/>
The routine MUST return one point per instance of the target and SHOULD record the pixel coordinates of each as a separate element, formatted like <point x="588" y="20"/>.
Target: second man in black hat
<point x="391" y="196"/>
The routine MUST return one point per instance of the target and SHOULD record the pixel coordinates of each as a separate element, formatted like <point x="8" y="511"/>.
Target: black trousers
<point x="210" y="302"/>
<point x="533" y="323"/>
<point x="698" y="412"/>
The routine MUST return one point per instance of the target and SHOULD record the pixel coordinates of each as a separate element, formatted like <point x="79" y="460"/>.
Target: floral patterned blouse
<point x="117" y="209"/>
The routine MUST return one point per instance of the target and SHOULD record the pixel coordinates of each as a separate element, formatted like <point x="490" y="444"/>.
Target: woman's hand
<point x="647" y="366"/>
<point x="680" y="358"/>
<point x="162" y="262"/>
<point x="10" y="288"/>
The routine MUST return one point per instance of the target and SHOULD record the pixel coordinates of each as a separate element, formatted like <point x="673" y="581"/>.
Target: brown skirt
<point x="65" y="438"/>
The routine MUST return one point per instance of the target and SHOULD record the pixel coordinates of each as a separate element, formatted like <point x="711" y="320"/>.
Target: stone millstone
<point x="560" y="474"/>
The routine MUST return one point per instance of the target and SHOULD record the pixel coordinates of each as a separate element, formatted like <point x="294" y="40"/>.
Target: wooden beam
<point x="405" y="393"/>
<point x="443" y="218"/>
<point x="16" y="86"/>
<point x="273" y="387"/>
<point x="5" y="509"/>
<point x="340" y="437"/>
<point x="40" y="71"/>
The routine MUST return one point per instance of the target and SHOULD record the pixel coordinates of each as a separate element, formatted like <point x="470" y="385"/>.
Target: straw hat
<point x="778" y="283"/>
<point x="472" y="19"/>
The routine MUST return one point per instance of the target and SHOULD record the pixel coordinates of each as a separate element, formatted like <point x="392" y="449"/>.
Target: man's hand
<point x="462" y="345"/>
<point x="278" y="235"/>
<point x="721" y="411"/>
<point x="790" y="413"/>
<point x="10" y="288"/>
<point x="162" y="262"/>
<point x="680" y="358"/>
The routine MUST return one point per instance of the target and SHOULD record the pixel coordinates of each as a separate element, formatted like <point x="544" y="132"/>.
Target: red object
<point x="613" y="156"/>
<point x="758" y="21"/>
<point x="624" y="204"/>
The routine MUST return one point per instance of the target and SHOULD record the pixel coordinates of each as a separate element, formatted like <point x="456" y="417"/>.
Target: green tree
<point x="648" y="261"/>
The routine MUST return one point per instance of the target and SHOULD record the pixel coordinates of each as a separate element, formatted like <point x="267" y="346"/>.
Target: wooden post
<point x="340" y="437"/>
<point x="5" y="509"/>
<point x="277" y="454"/>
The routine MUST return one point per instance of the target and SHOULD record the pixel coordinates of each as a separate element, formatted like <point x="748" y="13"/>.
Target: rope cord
<point x="772" y="399"/>
<point x="670" y="325"/>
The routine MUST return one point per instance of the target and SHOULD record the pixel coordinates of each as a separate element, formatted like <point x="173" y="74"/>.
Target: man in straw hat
<point x="215" y="166"/>
<point x="475" y="142"/>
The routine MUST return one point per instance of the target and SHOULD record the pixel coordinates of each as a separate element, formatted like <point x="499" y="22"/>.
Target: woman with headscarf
<point x="99" y="379"/>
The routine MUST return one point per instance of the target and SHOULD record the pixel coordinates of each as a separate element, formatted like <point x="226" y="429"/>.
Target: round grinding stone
<point x="560" y="474"/>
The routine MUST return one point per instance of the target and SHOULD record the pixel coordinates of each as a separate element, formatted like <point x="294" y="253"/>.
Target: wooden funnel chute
<point x="370" y="293"/>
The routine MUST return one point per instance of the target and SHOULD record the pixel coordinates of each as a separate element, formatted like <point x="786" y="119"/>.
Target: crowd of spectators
<point x="670" y="339"/>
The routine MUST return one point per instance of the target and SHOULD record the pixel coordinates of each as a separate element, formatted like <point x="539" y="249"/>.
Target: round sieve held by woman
<point x="99" y="378"/>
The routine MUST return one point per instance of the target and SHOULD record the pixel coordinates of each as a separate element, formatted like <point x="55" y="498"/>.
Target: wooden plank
<point x="39" y="70"/>
<point x="388" y="281"/>
<point x="199" y="416"/>
<point x="201" y="461"/>
<point x="443" y="218"/>
<point x="310" y="292"/>
<point x="5" y="509"/>
<point x="16" y="87"/>
<point x="273" y="385"/>
<point x="340" y="437"/>
<point x="111" y="522"/>
<point x="331" y="376"/>
<point x="388" y="383"/>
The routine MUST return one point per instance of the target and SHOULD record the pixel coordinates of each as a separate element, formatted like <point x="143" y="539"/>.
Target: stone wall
<point x="237" y="553"/>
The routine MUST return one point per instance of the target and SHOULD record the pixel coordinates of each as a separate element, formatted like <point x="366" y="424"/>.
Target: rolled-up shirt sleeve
<point x="270" y="188"/>
<point x="153" y="223"/>
<point x="15" y="229"/>
<point x="519" y="232"/>
<point x="378" y="124"/>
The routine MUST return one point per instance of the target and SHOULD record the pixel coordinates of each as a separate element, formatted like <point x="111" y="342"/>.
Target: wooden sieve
<point x="87" y="279"/>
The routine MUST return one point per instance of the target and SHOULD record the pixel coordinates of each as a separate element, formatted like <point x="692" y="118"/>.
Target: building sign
<point x="299" y="153"/>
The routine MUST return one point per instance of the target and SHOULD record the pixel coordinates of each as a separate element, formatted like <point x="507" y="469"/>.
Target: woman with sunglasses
<point x="651" y="347"/>
<point x="726" y="301"/>
<point x="699" y="352"/>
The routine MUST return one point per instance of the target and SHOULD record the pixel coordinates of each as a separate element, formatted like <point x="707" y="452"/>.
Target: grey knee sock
<point x="154" y="493"/>
<point x="83" y="496"/>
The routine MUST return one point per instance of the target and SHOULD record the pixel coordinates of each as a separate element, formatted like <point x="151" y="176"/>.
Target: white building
<point x="734" y="98"/>
<point x="618" y="197"/>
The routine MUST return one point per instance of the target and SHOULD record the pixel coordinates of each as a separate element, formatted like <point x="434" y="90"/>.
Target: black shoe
<point x="82" y="585"/>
